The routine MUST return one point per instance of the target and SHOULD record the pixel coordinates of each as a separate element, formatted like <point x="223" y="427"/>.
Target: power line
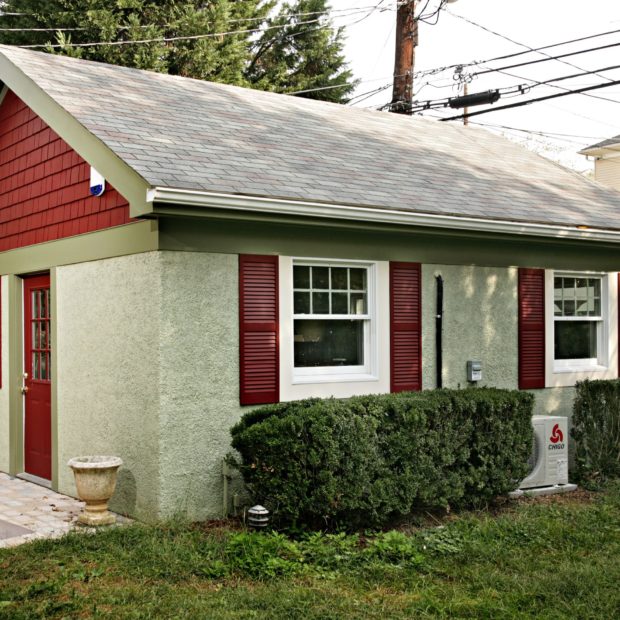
<point x="537" y="83"/>
<point x="497" y="34"/>
<point x="519" y="89"/>
<point x="535" y="49"/>
<point x="235" y="20"/>
<point x="548" y="58"/>
<point x="529" y="101"/>
<point x="180" y="38"/>
<point x="529" y="50"/>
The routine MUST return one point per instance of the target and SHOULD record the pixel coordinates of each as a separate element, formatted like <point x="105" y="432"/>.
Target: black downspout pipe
<point x="438" y="332"/>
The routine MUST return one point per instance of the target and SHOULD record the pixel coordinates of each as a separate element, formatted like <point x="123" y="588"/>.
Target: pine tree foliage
<point x="297" y="56"/>
<point x="290" y="51"/>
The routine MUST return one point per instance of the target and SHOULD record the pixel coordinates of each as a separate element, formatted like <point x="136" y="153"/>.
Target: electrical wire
<point x="180" y="38"/>
<point x="439" y="103"/>
<point x="529" y="50"/>
<point x="537" y="83"/>
<point x="235" y="20"/>
<point x="548" y="57"/>
<point x="535" y="100"/>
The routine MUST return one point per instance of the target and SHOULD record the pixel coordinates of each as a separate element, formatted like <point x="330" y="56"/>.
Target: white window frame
<point x="374" y="379"/>
<point x="563" y="373"/>
<point x="313" y="374"/>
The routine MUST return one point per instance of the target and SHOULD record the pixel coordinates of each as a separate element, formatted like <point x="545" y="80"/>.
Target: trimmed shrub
<point x="361" y="462"/>
<point x="596" y="430"/>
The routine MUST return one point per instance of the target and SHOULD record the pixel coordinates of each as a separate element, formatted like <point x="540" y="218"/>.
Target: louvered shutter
<point x="618" y="295"/>
<point x="531" y="328"/>
<point x="258" y="330"/>
<point x="405" y="327"/>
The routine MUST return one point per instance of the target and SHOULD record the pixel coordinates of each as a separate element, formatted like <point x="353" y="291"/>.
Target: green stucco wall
<point x="148" y="371"/>
<point x="199" y="378"/>
<point x="479" y="323"/>
<point x="147" y="366"/>
<point x="4" y="391"/>
<point x="108" y="315"/>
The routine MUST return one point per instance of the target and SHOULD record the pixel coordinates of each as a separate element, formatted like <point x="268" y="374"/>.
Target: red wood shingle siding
<point x="44" y="184"/>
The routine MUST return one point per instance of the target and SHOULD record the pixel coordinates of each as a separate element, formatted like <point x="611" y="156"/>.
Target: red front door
<point x="37" y="377"/>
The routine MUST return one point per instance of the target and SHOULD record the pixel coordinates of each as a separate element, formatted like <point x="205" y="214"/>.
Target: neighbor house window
<point x="578" y="321"/>
<point x="332" y="317"/>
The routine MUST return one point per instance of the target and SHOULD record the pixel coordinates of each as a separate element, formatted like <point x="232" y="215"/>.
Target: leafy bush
<point x="596" y="430"/>
<point x="362" y="461"/>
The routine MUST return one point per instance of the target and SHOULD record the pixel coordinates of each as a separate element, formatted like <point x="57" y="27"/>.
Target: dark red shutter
<point x="405" y="327"/>
<point x="258" y="330"/>
<point x="531" y="328"/>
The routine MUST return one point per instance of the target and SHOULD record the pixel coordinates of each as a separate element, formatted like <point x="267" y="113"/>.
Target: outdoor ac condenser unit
<point x="550" y="454"/>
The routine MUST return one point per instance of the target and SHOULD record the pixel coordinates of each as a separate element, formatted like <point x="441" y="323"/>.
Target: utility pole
<point x="406" y="42"/>
<point x="466" y="109"/>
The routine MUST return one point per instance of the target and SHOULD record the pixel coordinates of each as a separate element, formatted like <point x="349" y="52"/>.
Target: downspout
<point x="438" y="333"/>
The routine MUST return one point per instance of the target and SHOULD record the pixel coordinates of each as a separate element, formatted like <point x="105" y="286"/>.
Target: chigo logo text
<point x="556" y="439"/>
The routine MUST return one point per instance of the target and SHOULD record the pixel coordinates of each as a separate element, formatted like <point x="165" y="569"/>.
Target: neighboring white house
<point x="606" y="156"/>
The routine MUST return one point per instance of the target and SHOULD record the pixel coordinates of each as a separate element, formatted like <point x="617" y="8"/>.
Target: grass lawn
<point x="550" y="558"/>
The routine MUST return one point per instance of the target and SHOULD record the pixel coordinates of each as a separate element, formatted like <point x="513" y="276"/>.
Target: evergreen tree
<point x="299" y="56"/>
<point x="288" y="55"/>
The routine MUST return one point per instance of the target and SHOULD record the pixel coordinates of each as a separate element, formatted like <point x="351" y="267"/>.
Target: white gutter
<point x="275" y="206"/>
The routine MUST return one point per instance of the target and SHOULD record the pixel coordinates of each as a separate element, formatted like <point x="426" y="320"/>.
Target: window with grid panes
<point x="578" y="319"/>
<point x="331" y="317"/>
<point x="41" y="338"/>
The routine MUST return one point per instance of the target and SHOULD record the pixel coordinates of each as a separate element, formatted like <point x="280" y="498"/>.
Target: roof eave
<point x="594" y="151"/>
<point x="170" y="201"/>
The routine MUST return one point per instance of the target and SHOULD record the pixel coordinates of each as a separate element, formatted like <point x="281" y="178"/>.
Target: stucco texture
<point x="479" y="323"/>
<point x="148" y="366"/>
<point x="108" y="315"/>
<point x="199" y="379"/>
<point x="148" y="371"/>
<point x="4" y="391"/>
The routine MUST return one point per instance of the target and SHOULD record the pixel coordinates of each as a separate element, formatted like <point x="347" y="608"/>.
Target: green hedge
<point x="596" y="430"/>
<point x="362" y="461"/>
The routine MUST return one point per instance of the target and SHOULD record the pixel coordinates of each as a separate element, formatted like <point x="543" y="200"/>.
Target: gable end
<point x="44" y="184"/>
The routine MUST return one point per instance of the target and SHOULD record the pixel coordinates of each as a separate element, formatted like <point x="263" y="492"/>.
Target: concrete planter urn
<point x="95" y="479"/>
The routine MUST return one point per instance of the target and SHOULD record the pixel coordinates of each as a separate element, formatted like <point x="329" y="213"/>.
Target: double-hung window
<point x="332" y="314"/>
<point x="579" y="321"/>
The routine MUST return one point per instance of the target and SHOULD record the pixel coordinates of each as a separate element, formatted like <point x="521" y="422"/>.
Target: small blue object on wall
<point x="97" y="183"/>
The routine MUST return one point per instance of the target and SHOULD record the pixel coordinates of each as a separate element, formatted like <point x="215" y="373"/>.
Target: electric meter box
<point x="474" y="371"/>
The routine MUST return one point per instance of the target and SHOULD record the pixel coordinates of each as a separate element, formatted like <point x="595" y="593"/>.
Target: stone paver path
<point x="29" y="511"/>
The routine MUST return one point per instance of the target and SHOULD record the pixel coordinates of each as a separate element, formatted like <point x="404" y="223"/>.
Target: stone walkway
<point x="29" y="511"/>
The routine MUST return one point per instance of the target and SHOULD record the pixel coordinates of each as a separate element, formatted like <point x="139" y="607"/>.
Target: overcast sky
<point x="534" y="23"/>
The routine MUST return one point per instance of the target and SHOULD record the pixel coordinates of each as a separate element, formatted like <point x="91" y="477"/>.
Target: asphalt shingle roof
<point x="183" y="133"/>
<point x="603" y="143"/>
